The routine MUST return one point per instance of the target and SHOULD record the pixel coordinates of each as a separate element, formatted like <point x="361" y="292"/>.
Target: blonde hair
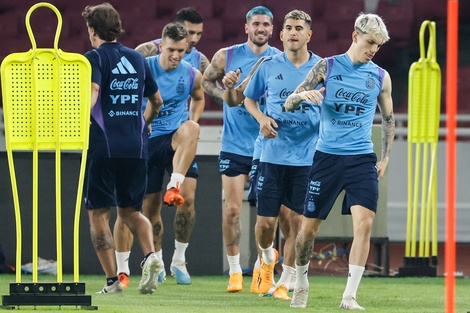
<point x="372" y="24"/>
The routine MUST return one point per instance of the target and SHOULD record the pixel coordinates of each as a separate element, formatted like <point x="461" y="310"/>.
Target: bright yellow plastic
<point x="46" y="105"/>
<point x="424" y="99"/>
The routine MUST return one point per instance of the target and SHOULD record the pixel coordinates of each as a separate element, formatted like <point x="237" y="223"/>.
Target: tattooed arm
<point x="388" y="123"/>
<point x="234" y="95"/>
<point x="306" y="90"/>
<point x="213" y="72"/>
<point x="148" y="49"/>
<point x="204" y="64"/>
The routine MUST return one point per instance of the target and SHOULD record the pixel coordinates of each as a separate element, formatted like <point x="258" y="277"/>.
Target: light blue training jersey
<point x="240" y="129"/>
<point x="194" y="58"/>
<point x="298" y="130"/>
<point x="349" y="106"/>
<point x="175" y="89"/>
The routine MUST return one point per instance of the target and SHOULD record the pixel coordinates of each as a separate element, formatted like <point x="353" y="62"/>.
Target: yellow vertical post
<point x="424" y="91"/>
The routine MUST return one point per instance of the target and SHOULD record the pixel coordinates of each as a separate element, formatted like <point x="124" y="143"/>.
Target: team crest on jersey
<point x="180" y="89"/>
<point x="370" y="83"/>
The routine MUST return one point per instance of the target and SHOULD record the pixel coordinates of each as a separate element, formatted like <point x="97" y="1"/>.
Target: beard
<point x="259" y="43"/>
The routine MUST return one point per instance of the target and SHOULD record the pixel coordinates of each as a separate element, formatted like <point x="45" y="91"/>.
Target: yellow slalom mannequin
<point x="46" y="102"/>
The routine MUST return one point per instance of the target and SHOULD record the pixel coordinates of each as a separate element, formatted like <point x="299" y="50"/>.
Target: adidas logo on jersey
<point x="124" y="67"/>
<point x="279" y="77"/>
<point x="337" y="77"/>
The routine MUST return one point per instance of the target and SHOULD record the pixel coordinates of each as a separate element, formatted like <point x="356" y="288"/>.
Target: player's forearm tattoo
<point x="102" y="241"/>
<point x="303" y="251"/>
<point x="147" y="49"/>
<point x="184" y="224"/>
<point x="208" y="83"/>
<point x="204" y="64"/>
<point x="314" y="77"/>
<point x="388" y="134"/>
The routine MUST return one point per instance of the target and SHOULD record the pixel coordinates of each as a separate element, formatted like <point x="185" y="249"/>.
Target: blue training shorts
<point x="232" y="165"/>
<point x="161" y="156"/>
<point x="253" y="178"/>
<point x="356" y="174"/>
<point x="115" y="182"/>
<point x="281" y="184"/>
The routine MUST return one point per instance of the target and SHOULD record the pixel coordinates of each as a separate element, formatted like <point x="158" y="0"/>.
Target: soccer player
<point x="192" y="20"/>
<point x="239" y="129"/>
<point x="345" y="159"/>
<point x="287" y="152"/>
<point x="172" y="145"/>
<point x="117" y="158"/>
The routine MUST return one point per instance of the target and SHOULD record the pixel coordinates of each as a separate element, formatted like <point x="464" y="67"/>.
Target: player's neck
<point x="299" y="57"/>
<point x="257" y="50"/>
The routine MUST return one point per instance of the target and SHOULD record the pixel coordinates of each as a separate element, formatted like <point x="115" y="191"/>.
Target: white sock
<point x="180" y="250"/>
<point x="122" y="262"/>
<point x="286" y="275"/>
<point x="176" y="180"/>
<point x="257" y="263"/>
<point x="354" y="279"/>
<point x="267" y="254"/>
<point x="159" y="254"/>
<point x="234" y="264"/>
<point x="301" y="273"/>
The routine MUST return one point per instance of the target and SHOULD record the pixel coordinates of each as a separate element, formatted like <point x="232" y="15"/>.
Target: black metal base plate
<point x="47" y="294"/>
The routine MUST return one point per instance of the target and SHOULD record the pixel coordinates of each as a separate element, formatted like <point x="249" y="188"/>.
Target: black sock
<point x="111" y="280"/>
<point x="145" y="257"/>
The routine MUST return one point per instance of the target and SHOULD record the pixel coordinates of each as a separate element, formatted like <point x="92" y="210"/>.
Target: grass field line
<point x="207" y="294"/>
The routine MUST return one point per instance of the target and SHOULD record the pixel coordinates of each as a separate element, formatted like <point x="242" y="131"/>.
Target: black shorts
<point x="253" y="177"/>
<point x="161" y="156"/>
<point x="356" y="174"/>
<point x="115" y="182"/>
<point x="281" y="184"/>
<point x="233" y="165"/>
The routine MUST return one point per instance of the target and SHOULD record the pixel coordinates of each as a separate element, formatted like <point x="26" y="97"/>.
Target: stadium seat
<point x="145" y="9"/>
<point x="320" y="31"/>
<point x="210" y="47"/>
<point x="213" y="29"/>
<point x="340" y="10"/>
<point x="204" y="7"/>
<point x="340" y="16"/>
<point x="281" y="8"/>
<point x="324" y="49"/>
<point x="436" y="12"/>
<point x="166" y="8"/>
<point x="146" y="29"/>
<point x="238" y="9"/>
<point x="10" y="24"/>
<point x="398" y="16"/>
<point x="233" y="28"/>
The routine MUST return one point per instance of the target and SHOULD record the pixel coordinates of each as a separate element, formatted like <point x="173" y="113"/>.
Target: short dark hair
<point x="105" y="20"/>
<point x="188" y="14"/>
<point x="299" y="15"/>
<point x="174" y="31"/>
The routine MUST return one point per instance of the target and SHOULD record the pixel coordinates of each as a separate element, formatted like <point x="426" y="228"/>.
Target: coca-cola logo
<point x="128" y="84"/>
<point x="284" y="93"/>
<point x="358" y="97"/>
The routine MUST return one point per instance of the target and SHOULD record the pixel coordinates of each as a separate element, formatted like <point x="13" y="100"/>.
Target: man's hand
<point x="231" y="79"/>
